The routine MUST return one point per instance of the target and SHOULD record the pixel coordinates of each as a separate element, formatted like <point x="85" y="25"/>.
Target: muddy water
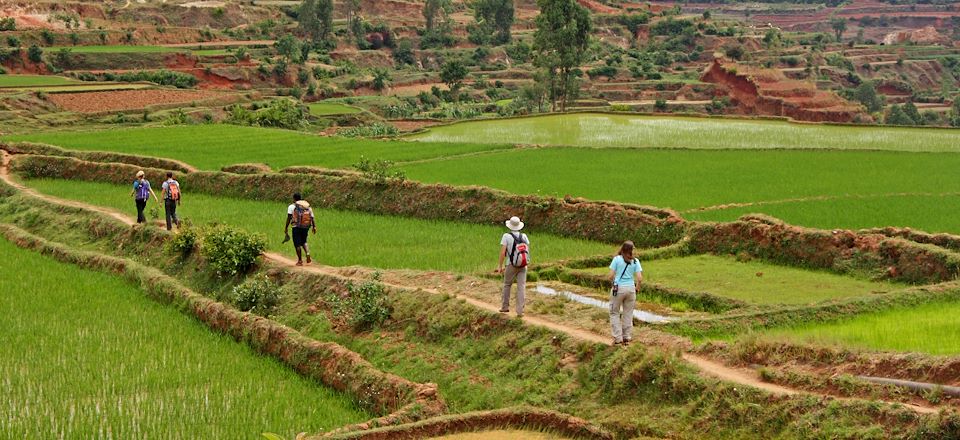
<point x="500" y="435"/>
<point x="641" y="315"/>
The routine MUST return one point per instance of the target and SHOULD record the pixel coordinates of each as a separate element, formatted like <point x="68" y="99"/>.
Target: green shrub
<point x="379" y="170"/>
<point x="183" y="243"/>
<point x="35" y="54"/>
<point x="377" y="129"/>
<point x="620" y="108"/>
<point x="366" y="305"/>
<point x="231" y="251"/>
<point x="257" y="295"/>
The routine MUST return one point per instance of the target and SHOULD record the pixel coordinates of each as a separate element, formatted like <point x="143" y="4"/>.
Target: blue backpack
<point x="142" y="190"/>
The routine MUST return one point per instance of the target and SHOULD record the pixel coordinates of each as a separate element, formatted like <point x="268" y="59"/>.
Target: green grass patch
<point x="34" y="80"/>
<point x="115" y="49"/>
<point x="630" y="131"/>
<point x="212" y="52"/>
<point x="686" y="179"/>
<point x="935" y="213"/>
<point x="344" y="238"/>
<point x="332" y="108"/>
<point x="89" y="354"/>
<point x="214" y="146"/>
<point x="929" y="328"/>
<point x="754" y="281"/>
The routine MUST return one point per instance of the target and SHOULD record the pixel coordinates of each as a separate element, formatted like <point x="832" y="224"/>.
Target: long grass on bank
<point x="85" y="355"/>
<point x="929" y="328"/>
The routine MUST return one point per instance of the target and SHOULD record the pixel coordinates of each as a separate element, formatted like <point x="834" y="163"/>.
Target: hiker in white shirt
<point x="514" y="251"/>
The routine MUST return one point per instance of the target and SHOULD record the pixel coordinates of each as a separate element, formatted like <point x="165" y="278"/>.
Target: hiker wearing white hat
<point x="515" y="251"/>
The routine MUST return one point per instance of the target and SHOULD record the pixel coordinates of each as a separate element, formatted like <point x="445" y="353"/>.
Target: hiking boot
<point x="626" y="342"/>
<point x="504" y="310"/>
<point x="309" y="260"/>
<point x="616" y="343"/>
<point x="519" y="315"/>
<point x="299" y="263"/>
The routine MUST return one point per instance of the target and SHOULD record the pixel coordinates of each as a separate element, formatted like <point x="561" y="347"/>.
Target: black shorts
<point x="300" y="236"/>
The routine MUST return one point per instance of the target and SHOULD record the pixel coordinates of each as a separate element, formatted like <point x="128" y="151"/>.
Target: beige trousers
<point x="621" y="313"/>
<point x="511" y="274"/>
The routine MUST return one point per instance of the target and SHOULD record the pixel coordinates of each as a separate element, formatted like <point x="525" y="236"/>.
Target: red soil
<point x="95" y="102"/>
<point x="769" y="92"/>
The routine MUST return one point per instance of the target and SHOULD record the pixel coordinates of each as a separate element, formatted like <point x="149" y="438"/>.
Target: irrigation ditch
<point x="762" y="238"/>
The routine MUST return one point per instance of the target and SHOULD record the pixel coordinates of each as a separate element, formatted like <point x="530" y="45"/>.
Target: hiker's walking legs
<point x="170" y="208"/>
<point x="511" y="274"/>
<point x="626" y="314"/>
<point x="141" y="205"/>
<point x="616" y="325"/>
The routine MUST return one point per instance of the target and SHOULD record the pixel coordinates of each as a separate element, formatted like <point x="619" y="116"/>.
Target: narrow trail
<point x="706" y="366"/>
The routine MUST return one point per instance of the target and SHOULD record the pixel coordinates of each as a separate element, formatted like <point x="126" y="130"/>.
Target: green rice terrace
<point x="788" y="174"/>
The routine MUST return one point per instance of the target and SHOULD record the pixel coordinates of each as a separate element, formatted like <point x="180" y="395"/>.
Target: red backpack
<point x="302" y="218"/>
<point x="173" y="190"/>
<point x="519" y="251"/>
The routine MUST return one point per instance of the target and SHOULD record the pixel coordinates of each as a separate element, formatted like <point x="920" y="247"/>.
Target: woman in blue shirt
<point x="626" y="275"/>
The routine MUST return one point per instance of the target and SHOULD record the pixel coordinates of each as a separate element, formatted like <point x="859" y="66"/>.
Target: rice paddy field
<point x="930" y="328"/>
<point x="34" y="80"/>
<point x="754" y="281"/>
<point x="821" y="188"/>
<point x="632" y="131"/>
<point x="85" y="355"/>
<point x="212" y="147"/>
<point x="344" y="238"/>
<point x="332" y="108"/>
<point x="116" y="49"/>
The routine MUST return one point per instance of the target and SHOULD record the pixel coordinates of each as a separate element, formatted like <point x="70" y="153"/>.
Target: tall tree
<point x="561" y="41"/>
<point x="452" y="73"/>
<point x="494" y="18"/>
<point x="839" y="26"/>
<point x="316" y="20"/>
<point x="439" y="29"/>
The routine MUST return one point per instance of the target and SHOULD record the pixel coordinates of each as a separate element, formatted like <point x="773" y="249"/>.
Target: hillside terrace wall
<point x="839" y="250"/>
<point x="607" y="222"/>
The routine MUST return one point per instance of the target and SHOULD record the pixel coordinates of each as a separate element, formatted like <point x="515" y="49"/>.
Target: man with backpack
<point x="515" y="249"/>
<point x="171" y="198"/>
<point x="300" y="215"/>
<point x="141" y="193"/>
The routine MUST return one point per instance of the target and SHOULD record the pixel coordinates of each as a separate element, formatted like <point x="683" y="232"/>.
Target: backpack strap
<point x="625" y="269"/>
<point x="513" y="250"/>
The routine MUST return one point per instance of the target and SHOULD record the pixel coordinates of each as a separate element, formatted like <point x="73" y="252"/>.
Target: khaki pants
<point x="511" y="274"/>
<point x="621" y="313"/>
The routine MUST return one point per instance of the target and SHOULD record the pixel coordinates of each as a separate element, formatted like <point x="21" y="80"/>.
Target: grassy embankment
<point x="345" y="238"/>
<point x="89" y="354"/>
<point x="754" y="281"/>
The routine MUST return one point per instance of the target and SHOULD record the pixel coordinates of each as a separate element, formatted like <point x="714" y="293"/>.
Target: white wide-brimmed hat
<point x="514" y="224"/>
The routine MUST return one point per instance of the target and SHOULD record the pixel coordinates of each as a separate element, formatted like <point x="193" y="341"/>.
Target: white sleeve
<point x="290" y="210"/>
<point x="505" y="240"/>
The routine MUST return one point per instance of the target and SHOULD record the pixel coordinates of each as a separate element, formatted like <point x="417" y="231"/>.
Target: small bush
<point x="231" y="251"/>
<point x="183" y="243"/>
<point x="366" y="305"/>
<point x="379" y="170"/>
<point x="377" y="129"/>
<point x="257" y="295"/>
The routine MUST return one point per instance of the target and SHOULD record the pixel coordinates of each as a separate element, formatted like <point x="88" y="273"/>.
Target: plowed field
<point x="93" y="102"/>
